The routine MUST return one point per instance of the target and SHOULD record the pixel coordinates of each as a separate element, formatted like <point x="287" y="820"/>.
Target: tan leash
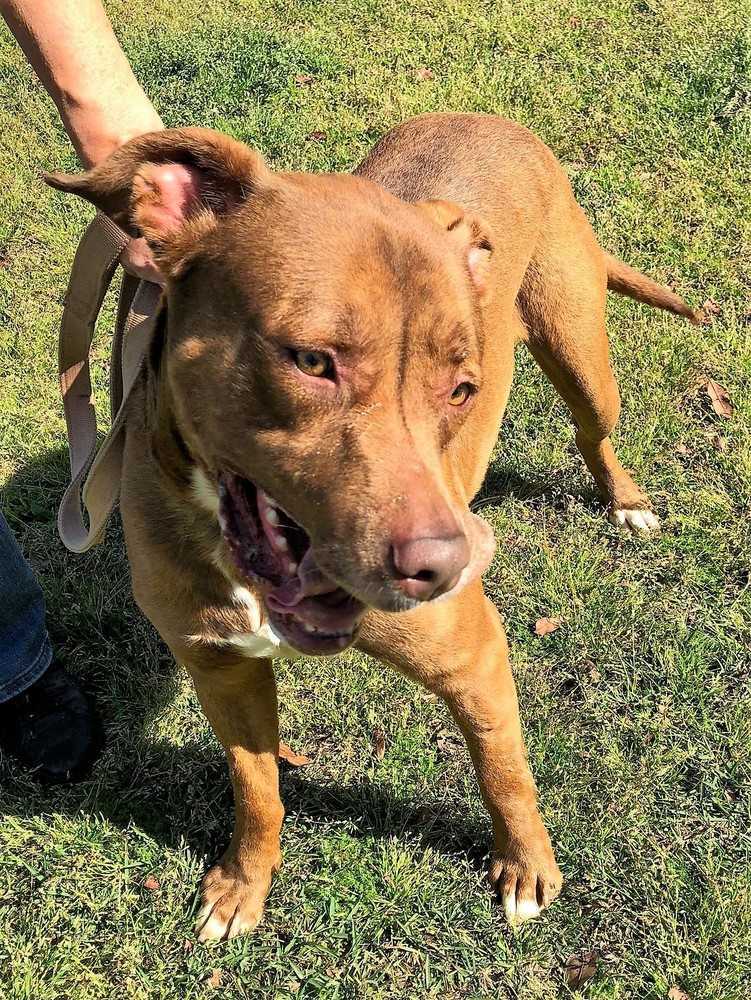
<point x="95" y="475"/>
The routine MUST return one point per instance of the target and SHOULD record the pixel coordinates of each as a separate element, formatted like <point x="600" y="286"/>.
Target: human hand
<point x="138" y="260"/>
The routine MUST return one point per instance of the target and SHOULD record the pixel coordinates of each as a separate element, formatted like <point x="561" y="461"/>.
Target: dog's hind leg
<point x="239" y="699"/>
<point x="563" y="305"/>
<point x="458" y="650"/>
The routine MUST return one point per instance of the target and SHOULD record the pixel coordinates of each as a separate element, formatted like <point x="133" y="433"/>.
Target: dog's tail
<point x="628" y="281"/>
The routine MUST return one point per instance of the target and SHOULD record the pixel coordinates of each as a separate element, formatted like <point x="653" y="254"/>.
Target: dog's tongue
<point x="308" y="581"/>
<point x="313" y="598"/>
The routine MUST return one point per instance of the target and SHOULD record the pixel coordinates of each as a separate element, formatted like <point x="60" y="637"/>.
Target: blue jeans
<point x="25" y="650"/>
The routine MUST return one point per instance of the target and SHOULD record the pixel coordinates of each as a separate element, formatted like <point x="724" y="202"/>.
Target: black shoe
<point x="51" y="728"/>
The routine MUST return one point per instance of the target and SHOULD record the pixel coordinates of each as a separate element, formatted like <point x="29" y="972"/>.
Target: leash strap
<point x="93" y="269"/>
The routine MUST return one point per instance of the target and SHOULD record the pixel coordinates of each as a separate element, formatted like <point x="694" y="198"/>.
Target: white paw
<point x="527" y="884"/>
<point x="638" y="521"/>
<point x="209" y="927"/>
<point x="232" y="900"/>
<point x="519" y="910"/>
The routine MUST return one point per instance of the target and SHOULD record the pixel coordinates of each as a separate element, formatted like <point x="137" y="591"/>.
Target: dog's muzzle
<point x="308" y="610"/>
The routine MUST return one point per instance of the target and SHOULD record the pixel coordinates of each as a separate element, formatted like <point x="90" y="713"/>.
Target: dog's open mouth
<point x="306" y="609"/>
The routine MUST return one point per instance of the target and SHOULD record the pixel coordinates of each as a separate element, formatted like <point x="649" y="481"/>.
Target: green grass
<point x="636" y="711"/>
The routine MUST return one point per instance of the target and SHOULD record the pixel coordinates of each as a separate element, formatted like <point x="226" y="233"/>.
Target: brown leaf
<point x="445" y="739"/>
<point x="317" y="135"/>
<point x="719" y="398"/>
<point x="292" y="758"/>
<point x="676" y="993"/>
<point x="681" y="448"/>
<point x="215" y="979"/>
<point x="719" y="443"/>
<point x="580" y="968"/>
<point x="379" y="743"/>
<point x="304" y="79"/>
<point x="544" y="626"/>
<point x="710" y="308"/>
<point x="151" y="883"/>
<point x="423" y="73"/>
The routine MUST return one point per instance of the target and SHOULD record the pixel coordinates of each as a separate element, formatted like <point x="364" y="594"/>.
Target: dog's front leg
<point x="459" y="651"/>
<point x="239" y="699"/>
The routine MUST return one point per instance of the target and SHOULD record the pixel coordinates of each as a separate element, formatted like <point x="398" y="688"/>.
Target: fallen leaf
<point x="719" y="398"/>
<point x="681" y="448"/>
<point x="580" y="968"/>
<point x="676" y="993"/>
<point x="423" y="73"/>
<point x="188" y="945"/>
<point x="304" y="79"/>
<point x="719" y="443"/>
<point x="317" y="135"/>
<point x="295" y="759"/>
<point x="445" y="739"/>
<point x="215" y="979"/>
<point x="544" y="626"/>
<point x="379" y="743"/>
<point x="151" y="883"/>
<point x="711" y="308"/>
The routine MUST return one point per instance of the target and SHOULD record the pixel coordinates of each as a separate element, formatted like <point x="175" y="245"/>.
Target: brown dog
<point x="331" y="364"/>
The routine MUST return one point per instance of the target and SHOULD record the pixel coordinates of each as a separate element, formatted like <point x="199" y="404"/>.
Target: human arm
<point x="75" y="54"/>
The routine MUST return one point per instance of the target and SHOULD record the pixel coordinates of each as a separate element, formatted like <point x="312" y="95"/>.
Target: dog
<point x="331" y="361"/>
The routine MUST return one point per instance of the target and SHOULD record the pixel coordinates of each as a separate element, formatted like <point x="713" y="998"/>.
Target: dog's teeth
<point x="272" y="517"/>
<point x="280" y="541"/>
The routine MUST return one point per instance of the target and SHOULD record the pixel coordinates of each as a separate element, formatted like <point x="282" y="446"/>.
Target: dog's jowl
<point x="332" y="358"/>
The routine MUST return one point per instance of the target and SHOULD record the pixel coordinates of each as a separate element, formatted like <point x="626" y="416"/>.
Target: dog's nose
<point x="428" y="567"/>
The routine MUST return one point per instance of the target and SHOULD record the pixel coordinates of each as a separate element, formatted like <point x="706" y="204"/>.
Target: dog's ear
<point x="170" y="187"/>
<point x="470" y="232"/>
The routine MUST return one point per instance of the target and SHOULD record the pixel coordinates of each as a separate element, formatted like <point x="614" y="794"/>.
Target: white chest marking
<point x="261" y="640"/>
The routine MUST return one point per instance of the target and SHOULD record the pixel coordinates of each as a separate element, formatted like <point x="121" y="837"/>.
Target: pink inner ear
<point x="164" y="197"/>
<point x="478" y="261"/>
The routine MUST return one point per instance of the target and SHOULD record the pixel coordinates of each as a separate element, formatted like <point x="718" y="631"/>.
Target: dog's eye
<point x="461" y="393"/>
<point x="314" y="363"/>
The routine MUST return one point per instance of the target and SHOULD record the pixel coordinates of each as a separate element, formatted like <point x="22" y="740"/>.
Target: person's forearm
<point x="71" y="45"/>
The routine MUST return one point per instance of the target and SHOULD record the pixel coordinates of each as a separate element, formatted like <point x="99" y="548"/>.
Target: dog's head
<point x="324" y="349"/>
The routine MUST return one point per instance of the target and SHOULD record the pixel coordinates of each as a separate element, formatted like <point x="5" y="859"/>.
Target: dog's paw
<point x="526" y="880"/>
<point x="643" y="522"/>
<point x="232" y="900"/>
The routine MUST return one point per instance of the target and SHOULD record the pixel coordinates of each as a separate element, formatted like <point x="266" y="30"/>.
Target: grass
<point x="636" y="710"/>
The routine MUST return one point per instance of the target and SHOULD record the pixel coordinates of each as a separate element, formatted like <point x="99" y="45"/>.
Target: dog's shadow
<point x="176" y="794"/>
<point x="553" y="488"/>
